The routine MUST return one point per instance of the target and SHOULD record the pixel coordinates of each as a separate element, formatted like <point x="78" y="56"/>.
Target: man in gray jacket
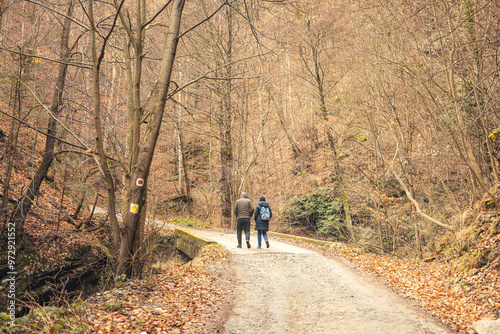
<point x="243" y="210"/>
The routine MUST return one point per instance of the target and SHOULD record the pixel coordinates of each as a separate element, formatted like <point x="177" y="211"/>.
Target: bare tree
<point x="99" y="138"/>
<point x="11" y="147"/>
<point x="127" y="261"/>
<point x="316" y="55"/>
<point x="48" y="154"/>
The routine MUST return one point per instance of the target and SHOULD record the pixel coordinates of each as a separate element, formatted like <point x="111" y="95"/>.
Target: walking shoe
<point x="258" y="247"/>
<point x="248" y="244"/>
<point x="239" y="246"/>
<point x="267" y="244"/>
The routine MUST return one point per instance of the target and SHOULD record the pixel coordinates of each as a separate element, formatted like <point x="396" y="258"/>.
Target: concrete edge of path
<point x="189" y="242"/>
<point x="294" y="237"/>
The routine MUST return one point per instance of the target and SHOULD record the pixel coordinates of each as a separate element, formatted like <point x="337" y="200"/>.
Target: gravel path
<point x="288" y="289"/>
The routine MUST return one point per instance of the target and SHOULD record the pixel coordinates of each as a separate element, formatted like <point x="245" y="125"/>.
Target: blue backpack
<point x="265" y="213"/>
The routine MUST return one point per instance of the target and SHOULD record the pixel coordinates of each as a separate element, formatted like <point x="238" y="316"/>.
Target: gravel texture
<point x="288" y="289"/>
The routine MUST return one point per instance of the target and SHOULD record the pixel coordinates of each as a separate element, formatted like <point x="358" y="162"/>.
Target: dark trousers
<point x="243" y="225"/>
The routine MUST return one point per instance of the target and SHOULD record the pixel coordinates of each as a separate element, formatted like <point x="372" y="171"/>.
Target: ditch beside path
<point x="288" y="289"/>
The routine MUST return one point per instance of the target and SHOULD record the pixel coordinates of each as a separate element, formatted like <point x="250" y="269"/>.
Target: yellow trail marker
<point x="134" y="208"/>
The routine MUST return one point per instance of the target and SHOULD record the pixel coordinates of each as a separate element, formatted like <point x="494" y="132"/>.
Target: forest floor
<point x="289" y="289"/>
<point x="305" y="289"/>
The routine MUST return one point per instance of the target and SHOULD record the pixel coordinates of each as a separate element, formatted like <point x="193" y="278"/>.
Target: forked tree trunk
<point x="130" y="243"/>
<point x="99" y="138"/>
<point x="83" y="195"/>
<point x="133" y="76"/>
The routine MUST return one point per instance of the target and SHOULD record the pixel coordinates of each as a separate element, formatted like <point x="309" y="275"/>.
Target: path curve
<point x="288" y="289"/>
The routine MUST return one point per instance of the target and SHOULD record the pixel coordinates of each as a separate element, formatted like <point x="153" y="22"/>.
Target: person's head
<point x="244" y="195"/>
<point x="262" y="199"/>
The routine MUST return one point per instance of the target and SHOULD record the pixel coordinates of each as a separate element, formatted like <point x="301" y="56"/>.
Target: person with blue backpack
<point x="262" y="216"/>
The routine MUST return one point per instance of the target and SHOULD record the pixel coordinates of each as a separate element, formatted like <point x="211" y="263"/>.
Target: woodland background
<point x="370" y="122"/>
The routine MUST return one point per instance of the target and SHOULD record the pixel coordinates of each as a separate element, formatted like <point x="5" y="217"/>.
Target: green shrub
<point x="321" y="210"/>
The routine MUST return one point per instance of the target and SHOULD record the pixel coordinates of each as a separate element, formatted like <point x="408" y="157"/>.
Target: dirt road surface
<point x="288" y="289"/>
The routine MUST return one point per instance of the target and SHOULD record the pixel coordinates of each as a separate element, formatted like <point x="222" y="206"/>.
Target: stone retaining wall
<point x="189" y="243"/>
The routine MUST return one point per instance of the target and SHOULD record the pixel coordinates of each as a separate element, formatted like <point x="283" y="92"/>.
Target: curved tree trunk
<point x="101" y="160"/>
<point x="48" y="154"/>
<point x="11" y="147"/>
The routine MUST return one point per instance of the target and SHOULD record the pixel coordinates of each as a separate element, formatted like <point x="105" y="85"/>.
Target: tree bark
<point x="130" y="245"/>
<point x="133" y="76"/>
<point x="184" y="184"/>
<point x="11" y="147"/>
<point x="33" y="189"/>
<point x="225" y="127"/>
<point x="99" y="138"/>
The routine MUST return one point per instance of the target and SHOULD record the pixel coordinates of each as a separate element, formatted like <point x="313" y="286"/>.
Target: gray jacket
<point x="243" y="207"/>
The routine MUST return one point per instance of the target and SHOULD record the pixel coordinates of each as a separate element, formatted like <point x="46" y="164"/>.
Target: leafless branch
<point x="81" y="65"/>
<point x="158" y="13"/>
<point x="81" y="24"/>
<point x="204" y="20"/>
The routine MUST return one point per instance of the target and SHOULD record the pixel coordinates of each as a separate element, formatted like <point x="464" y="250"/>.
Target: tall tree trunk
<point x="184" y="185"/>
<point x="477" y="84"/>
<point x="180" y="148"/>
<point x="226" y="121"/>
<point x="48" y="154"/>
<point x="99" y="138"/>
<point x="3" y="7"/>
<point x="11" y="147"/>
<point x="183" y="170"/>
<point x="295" y="148"/>
<point x="130" y="245"/>
<point x="133" y="76"/>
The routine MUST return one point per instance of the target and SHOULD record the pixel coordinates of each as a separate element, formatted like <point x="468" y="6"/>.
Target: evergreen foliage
<point x="320" y="210"/>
